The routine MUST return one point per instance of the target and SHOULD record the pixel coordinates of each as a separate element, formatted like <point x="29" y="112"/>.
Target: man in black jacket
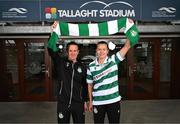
<point x="71" y="75"/>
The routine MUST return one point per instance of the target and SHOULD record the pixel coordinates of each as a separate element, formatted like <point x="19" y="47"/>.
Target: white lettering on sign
<point x="106" y="11"/>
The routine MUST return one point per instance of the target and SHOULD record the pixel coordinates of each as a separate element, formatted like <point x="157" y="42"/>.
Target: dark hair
<point x="71" y="43"/>
<point x="102" y="42"/>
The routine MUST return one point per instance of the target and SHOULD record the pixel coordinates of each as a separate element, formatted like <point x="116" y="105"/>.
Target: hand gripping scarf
<point x="95" y="29"/>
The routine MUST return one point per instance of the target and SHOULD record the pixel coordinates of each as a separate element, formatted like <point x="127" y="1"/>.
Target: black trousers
<point x="113" y="112"/>
<point x="76" y="110"/>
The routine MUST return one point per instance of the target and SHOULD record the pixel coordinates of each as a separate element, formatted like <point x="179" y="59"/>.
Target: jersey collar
<point x="105" y="61"/>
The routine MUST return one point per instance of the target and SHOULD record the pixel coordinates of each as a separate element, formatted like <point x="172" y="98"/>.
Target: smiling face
<point x="102" y="51"/>
<point x="73" y="52"/>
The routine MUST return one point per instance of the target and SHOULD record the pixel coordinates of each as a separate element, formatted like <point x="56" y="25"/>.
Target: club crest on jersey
<point x="79" y="70"/>
<point x="67" y="64"/>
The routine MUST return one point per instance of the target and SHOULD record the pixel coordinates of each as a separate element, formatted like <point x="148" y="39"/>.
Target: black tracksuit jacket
<point x="71" y="78"/>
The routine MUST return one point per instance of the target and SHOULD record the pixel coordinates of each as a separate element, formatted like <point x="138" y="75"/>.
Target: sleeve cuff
<point x="119" y="56"/>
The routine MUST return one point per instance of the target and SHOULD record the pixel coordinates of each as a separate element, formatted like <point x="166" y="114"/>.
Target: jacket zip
<point x="80" y="95"/>
<point x="71" y="86"/>
<point x="61" y="88"/>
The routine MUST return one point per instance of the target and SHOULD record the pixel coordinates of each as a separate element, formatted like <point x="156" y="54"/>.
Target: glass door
<point x="36" y="84"/>
<point x="140" y="71"/>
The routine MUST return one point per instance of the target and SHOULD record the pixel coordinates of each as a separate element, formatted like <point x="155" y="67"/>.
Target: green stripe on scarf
<point x="52" y="42"/>
<point x="133" y="35"/>
<point x="64" y="29"/>
<point x="121" y="23"/>
<point x="103" y="29"/>
<point x="83" y="30"/>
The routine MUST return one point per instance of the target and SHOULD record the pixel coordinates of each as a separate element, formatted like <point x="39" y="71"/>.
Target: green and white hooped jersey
<point x="105" y="80"/>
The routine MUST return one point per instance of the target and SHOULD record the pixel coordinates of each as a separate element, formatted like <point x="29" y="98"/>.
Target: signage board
<point x="160" y="10"/>
<point x="89" y="10"/>
<point x="20" y="10"/>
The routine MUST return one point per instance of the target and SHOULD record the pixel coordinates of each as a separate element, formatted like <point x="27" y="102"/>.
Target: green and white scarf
<point x="95" y="29"/>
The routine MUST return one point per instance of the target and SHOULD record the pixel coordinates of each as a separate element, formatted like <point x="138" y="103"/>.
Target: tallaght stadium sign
<point x="95" y="13"/>
<point x="111" y="9"/>
<point x="104" y="12"/>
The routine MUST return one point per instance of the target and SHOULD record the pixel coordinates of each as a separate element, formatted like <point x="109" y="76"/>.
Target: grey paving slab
<point x="132" y="112"/>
